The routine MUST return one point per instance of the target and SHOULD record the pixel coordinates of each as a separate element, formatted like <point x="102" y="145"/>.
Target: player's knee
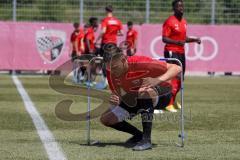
<point x="107" y="120"/>
<point x="103" y="120"/>
<point x="146" y="94"/>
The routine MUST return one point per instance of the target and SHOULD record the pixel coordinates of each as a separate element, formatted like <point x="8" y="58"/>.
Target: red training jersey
<point x="139" y="67"/>
<point x="74" y="38"/>
<point x="176" y="30"/>
<point x="80" y="38"/>
<point x="91" y="37"/>
<point x="131" y="37"/>
<point x="113" y="25"/>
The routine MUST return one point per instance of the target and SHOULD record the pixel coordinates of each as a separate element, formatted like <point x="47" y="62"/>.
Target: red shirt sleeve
<point x="166" y="29"/>
<point x="88" y="36"/>
<point x="73" y="37"/>
<point x="104" y="23"/>
<point x="80" y="36"/>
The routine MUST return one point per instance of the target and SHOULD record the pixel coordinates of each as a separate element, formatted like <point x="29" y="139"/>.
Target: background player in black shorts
<point x="111" y="27"/>
<point x="174" y="36"/>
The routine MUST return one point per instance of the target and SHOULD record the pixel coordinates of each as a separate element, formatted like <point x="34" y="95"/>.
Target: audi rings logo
<point x="199" y="50"/>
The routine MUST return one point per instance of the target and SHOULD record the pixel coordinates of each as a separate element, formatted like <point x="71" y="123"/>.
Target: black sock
<point x="147" y="117"/>
<point x="83" y="69"/>
<point x="147" y="128"/>
<point x="126" y="127"/>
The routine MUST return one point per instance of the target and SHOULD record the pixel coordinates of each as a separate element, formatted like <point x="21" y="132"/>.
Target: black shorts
<point x="74" y="55"/>
<point x="164" y="97"/>
<point x="163" y="101"/>
<point x="97" y="51"/>
<point x="179" y="56"/>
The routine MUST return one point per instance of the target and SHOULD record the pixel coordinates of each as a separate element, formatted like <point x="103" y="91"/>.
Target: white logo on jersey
<point x="112" y="22"/>
<point x="176" y="26"/>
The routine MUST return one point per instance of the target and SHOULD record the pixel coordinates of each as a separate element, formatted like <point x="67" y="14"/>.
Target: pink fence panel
<point x="19" y="49"/>
<point x="219" y="50"/>
<point x="25" y="46"/>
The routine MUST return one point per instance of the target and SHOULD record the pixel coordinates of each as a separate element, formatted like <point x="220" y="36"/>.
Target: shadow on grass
<point x="108" y="144"/>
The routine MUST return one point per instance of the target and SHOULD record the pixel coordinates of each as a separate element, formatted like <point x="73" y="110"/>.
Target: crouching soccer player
<point x="138" y="85"/>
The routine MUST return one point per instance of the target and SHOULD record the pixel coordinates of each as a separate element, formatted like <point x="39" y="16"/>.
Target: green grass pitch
<point x="212" y="109"/>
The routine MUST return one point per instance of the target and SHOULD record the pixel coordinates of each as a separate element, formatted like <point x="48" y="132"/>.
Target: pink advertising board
<point x="25" y="46"/>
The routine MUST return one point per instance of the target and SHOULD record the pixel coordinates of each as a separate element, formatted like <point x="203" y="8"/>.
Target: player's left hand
<point x="150" y="82"/>
<point x="114" y="100"/>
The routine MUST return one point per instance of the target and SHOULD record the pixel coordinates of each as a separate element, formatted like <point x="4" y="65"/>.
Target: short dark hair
<point x="112" y="53"/>
<point x="129" y="23"/>
<point x="109" y="8"/>
<point x="175" y="2"/>
<point x="75" y="24"/>
<point x="92" y="20"/>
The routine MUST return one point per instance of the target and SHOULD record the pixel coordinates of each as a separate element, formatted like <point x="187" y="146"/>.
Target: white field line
<point x="54" y="151"/>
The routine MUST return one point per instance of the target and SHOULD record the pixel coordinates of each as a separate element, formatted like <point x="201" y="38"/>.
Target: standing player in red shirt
<point x="131" y="39"/>
<point x="174" y="35"/>
<point x="137" y="85"/>
<point x="80" y="42"/>
<point x="73" y="40"/>
<point x="77" y="49"/>
<point x="80" y="51"/>
<point x="90" y="37"/>
<point x="111" y="27"/>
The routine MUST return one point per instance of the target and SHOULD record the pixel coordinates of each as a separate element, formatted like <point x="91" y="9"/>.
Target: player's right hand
<point x="114" y="100"/>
